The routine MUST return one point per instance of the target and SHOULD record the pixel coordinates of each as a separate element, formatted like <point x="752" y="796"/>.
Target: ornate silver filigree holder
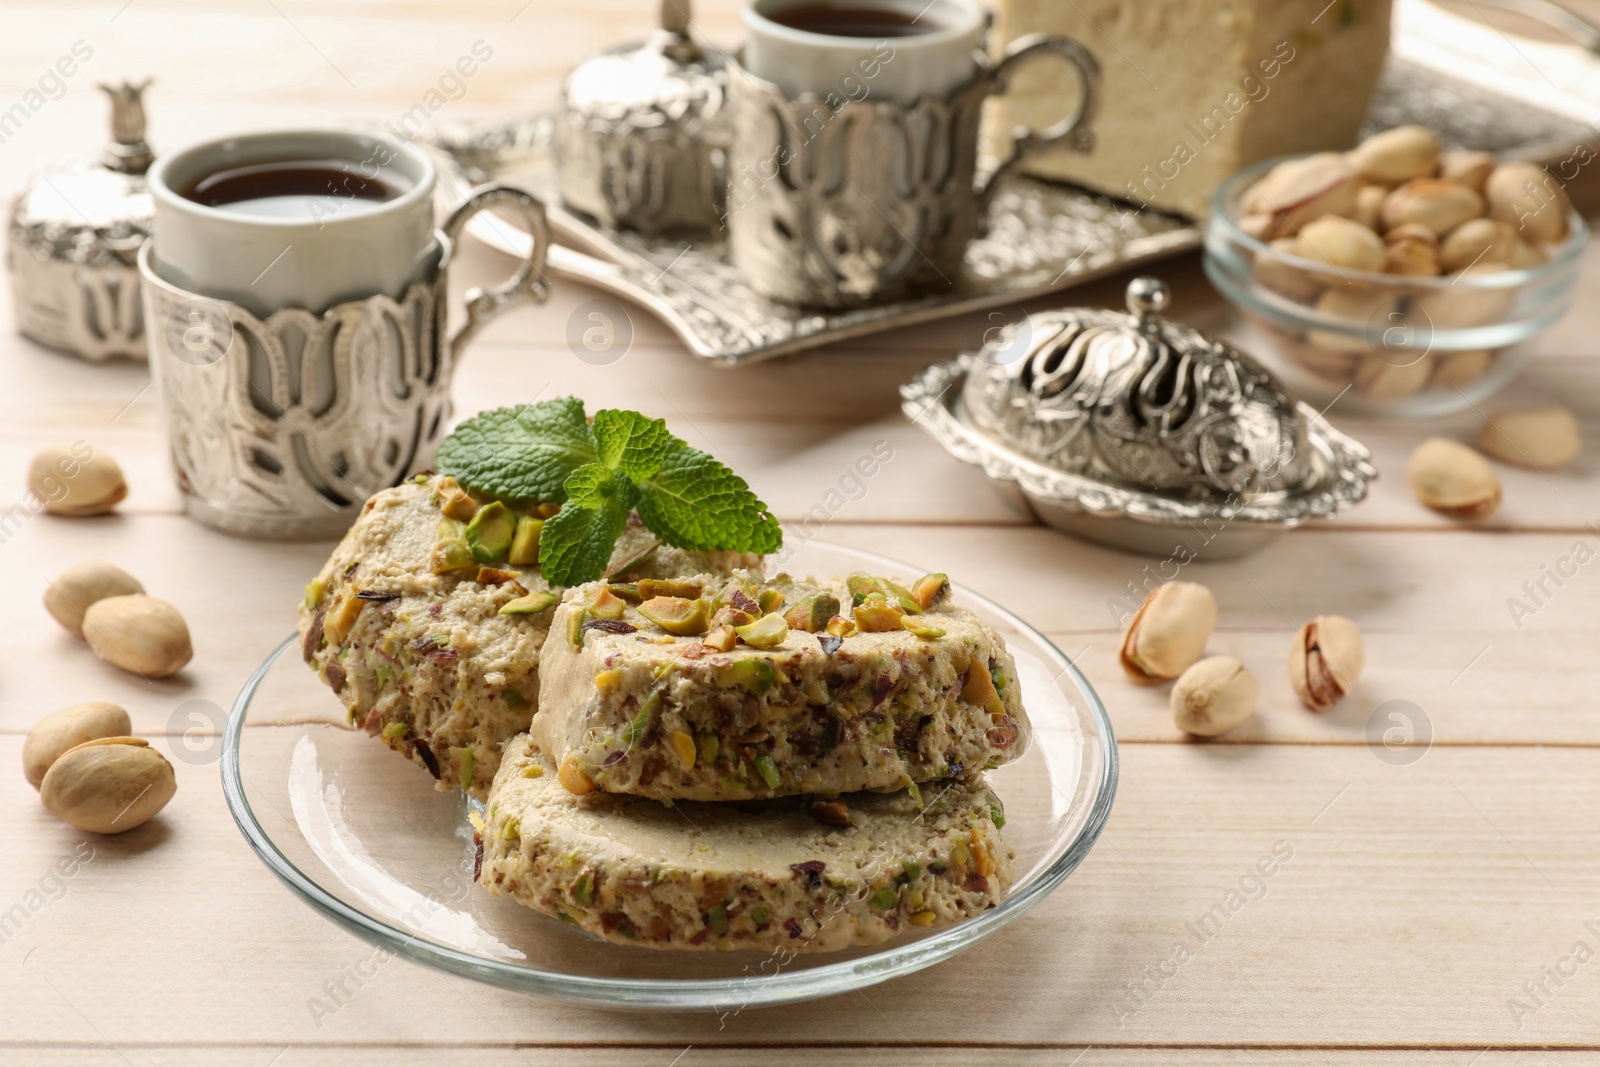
<point x="1140" y="433"/>
<point x="642" y="133"/>
<point x="282" y="427"/>
<point x="74" y="236"/>
<point x="877" y="200"/>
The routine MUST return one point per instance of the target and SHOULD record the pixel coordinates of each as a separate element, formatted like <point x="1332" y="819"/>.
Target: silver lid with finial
<point x="1140" y="432"/>
<point x="642" y="131"/>
<point x="74" y="238"/>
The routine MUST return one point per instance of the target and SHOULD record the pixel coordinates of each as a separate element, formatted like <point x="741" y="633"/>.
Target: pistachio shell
<point x="1451" y="478"/>
<point x="1382" y="380"/>
<point x="108" y="785"/>
<point x="1340" y="243"/>
<point x="1439" y="205"/>
<point x="1169" y="632"/>
<point x="1397" y="155"/>
<point x="1299" y="190"/>
<point x="1542" y="438"/>
<point x="1530" y="200"/>
<point x="1368" y="209"/>
<point x="1325" y="660"/>
<point x="1476" y="240"/>
<point x="1456" y="307"/>
<point x="1359" y="310"/>
<point x="76" y="481"/>
<point x="1471" y="169"/>
<point x="1291" y="281"/>
<point x="62" y="730"/>
<point x="1213" y="696"/>
<point x="69" y="596"/>
<point x="1412" y="255"/>
<point x="139" y="634"/>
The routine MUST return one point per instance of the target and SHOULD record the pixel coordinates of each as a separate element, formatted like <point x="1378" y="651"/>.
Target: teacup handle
<point x="527" y="285"/>
<point x="1071" y="132"/>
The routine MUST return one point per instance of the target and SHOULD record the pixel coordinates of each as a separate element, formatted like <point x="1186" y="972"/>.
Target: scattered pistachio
<point x="1451" y="478"/>
<point x="450" y="556"/>
<point x="69" y="596"/>
<point x="608" y="681"/>
<point x="1213" y="696"/>
<point x="1439" y="205"/>
<point x="979" y="688"/>
<point x="831" y="812"/>
<point x="769" y="631"/>
<point x="1471" y="169"/>
<point x="456" y="503"/>
<point x="546" y="510"/>
<point x="876" y="615"/>
<point x="899" y="594"/>
<point x="496" y="576"/>
<point x="811" y="613"/>
<point x="1542" y="438"/>
<point x="607" y="605"/>
<point x="76" y="481"/>
<point x="683" y="747"/>
<point x="1169" y="632"/>
<point x="769" y="600"/>
<point x="395" y="730"/>
<point x="1325" y="660"/>
<point x="1529" y="199"/>
<point x="722" y="639"/>
<point x="922" y="628"/>
<point x="139" y="634"/>
<point x="525" y="542"/>
<point x="531" y="604"/>
<point x="1396" y="155"/>
<point x="840" y="626"/>
<point x="650" y="588"/>
<point x="108" y="785"/>
<point x="1340" y="243"/>
<point x="573" y="778"/>
<point x="930" y="589"/>
<point x="676" y="615"/>
<point x="490" y="533"/>
<point x="767" y="768"/>
<point x="66" y="729"/>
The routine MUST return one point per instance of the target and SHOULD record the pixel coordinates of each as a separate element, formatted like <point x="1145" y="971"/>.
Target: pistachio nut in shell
<point x="76" y="480"/>
<point x="1169" y="632"/>
<point x="1362" y="312"/>
<point x="1452" y="479"/>
<point x="70" y="594"/>
<point x="1213" y="696"/>
<point x="1542" y="438"/>
<point x="1325" y="660"/>
<point x="1340" y="243"/>
<point x="1529" y="199"/>
<point x="109" y="785"/>
<point x="1477" y="240"/>
<point x="1296" y="283"/>
<point x="1460" y="368"/>
<point x="1471" y="169"/>
<point x="1413" y="256"/>
<point x="1299" y="190"/>
<point x="68" y="728"/>
<point x="1457" y="307"/>
<point x="1397" y="155"/>
<point x="1393" y="375"/>
<point x="1439" y="205"/>
<point x="139" y="634"/>
<point x="1368" y="209"/>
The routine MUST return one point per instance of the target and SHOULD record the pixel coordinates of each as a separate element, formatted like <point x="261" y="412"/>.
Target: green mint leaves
<point x="600" y="474"/>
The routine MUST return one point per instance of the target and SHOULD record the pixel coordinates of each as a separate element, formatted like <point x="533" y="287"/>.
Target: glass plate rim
<point x="686" y="994"/>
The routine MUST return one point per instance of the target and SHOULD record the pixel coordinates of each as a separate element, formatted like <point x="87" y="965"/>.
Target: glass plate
<point x="362" y="836"/>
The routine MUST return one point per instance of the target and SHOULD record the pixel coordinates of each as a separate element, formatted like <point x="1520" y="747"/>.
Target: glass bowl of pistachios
<point x="1399" y="277"/>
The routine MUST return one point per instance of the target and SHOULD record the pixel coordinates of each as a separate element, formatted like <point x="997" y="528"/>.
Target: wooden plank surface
<point x="1417" y="922"/>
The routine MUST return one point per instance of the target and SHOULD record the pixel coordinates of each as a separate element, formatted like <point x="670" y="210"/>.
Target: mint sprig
<point x="600" y="474"/>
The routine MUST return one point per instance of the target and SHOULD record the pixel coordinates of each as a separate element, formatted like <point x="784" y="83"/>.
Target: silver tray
<point x="1043" y="237"/>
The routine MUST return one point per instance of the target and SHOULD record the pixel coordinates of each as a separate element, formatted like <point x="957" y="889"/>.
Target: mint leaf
<point x="576" y="542"/>
<point x="632" y="443"/>
<point x="520" y="453"/>
<point x="696" y="503"/>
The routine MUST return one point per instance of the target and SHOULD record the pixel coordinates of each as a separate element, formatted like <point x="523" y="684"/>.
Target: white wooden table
<point x="1421" y="905"/>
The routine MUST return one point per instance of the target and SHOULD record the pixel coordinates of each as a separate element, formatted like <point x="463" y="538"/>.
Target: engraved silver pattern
<point x="1132" y="430"/>
<point x="282" y="427"/>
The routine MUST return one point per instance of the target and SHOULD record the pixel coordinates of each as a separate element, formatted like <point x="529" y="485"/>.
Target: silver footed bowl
<point x="1140" y="432"/>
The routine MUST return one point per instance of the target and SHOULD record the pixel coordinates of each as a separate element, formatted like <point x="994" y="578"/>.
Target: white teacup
<point x="338" y="248"/>
<point x="940" y="57"/>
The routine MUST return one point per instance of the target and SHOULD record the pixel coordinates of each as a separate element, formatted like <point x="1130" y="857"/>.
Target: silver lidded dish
<point x="641" y="136"/>
<point x="74" y="238"/>
<point x="1140" y="433"/>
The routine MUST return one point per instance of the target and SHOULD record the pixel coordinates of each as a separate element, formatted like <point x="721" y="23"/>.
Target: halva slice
<point x="429" y="617"/>
<point x="774" y="875"/>
<point x="713" y="688"/>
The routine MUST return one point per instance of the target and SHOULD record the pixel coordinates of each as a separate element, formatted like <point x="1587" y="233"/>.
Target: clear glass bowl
<point x="362" y="836"/>
<point x="1390" y="344"/>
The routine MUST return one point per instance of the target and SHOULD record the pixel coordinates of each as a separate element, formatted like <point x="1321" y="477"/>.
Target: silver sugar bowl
<point x="1140" y="433"/>
<point x="642" y="132"/>
<point x="74" y="239"/>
